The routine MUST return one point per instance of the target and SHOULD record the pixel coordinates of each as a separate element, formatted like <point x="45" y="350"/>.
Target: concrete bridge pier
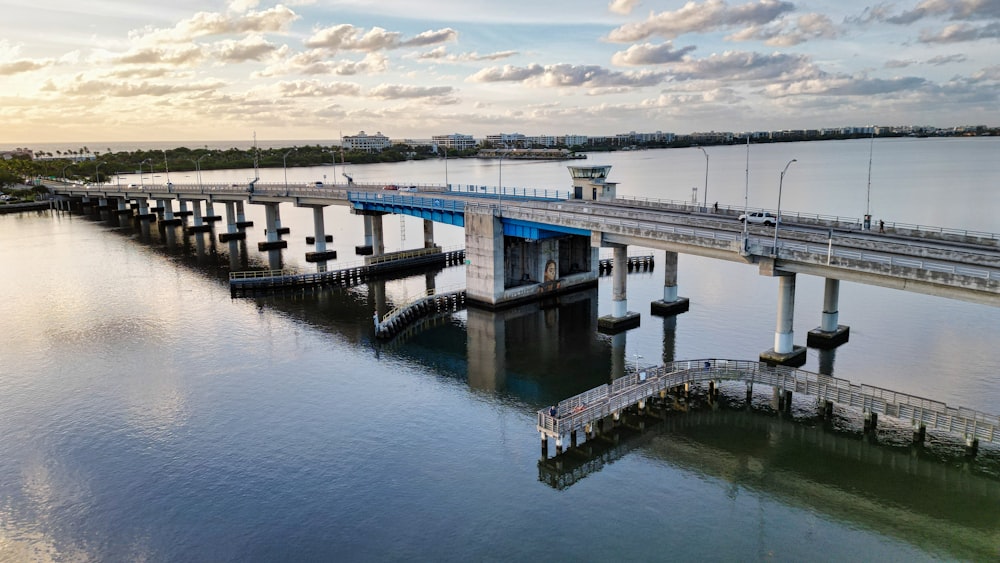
<point x="428" y="233"/>
<point x="241" y="219"/>
<point x="273" y="245"/>
<point x="671" y="304"/>
<point x="785" y="352"/>
<point x="182" y="213"/>
<point x="620" y="318"/>
<point x="367" y="248"/>
<point x="618" y="359"/>
<point x="103" y="209"/>
<point x="144" y="217"/>
<point x="829" y="334"/>
<point x="123" y="212"/>
<point x="321" y="254"/>
<point x="233" y="232"/>
<point x="378" y="236"/>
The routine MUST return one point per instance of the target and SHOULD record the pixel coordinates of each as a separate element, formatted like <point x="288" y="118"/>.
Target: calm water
<point x="146" y="415"/>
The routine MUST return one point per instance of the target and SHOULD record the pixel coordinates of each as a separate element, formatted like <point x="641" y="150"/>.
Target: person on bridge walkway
<point x="881" y="226"/>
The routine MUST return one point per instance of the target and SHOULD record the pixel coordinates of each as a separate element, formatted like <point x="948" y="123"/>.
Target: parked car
<point x="760" y="218"/>
<point x="408" y="189"/>
<point x="390" y="187"/>
<point x="315" y="185"/>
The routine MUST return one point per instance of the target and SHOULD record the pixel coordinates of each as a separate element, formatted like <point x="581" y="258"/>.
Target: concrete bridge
<point x="525" y="245"/>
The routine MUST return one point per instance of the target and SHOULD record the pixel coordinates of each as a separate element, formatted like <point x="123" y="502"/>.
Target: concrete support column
<point x="196" y="207"/>
<point x="671" y="304"/>
<point x="783" y="333"/>
<point x="319" y="229"/>
<point x="831" y="296"/>
<point x="272" y="221"/>
<point x="378" y="236"/>
<point x="619" y="291"/>
<point x="545" y="445"/>
<point x="829" y="334"/>
<point x="241" y="218"/>
<point x="428" y="233"/>
<point x="785" y="351"/>
<point x="231" y="217"/>
<point x="620" y="318"/>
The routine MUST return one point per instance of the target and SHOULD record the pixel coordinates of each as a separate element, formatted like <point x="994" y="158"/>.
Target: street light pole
<point x="64" y="173"/>
<point x="446" y="185"/>
<point x="166" y="166"/>
<point x="777" y="220"/>
<point x="333" y="155"/>
<point x="868" y="201"/>
<point x="284" y="165"/>
<point x="142" y="183"/>
<point x="97" y="172"/>
<point x="500" y="181"/>
<point x="197" y="166"/>
<point x="705" y="203"/>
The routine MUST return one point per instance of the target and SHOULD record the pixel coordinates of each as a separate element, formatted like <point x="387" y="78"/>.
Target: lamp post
<point x="777" y="220"/>
<point x="333" y="155"/>
<point x="446" y="186"/>
<point x="97" y="172"/>
<point x="197" y="166"/>
<point x="500" y="180"/>
<point x="166" y="166"/>
<point x="284" y="165"/>
<point x="142" y="183"/>
<point x="64" y="172"/>
<point x="705" y="202"/>
<point x="868" y="200"/>
<point x="118" y="178"/>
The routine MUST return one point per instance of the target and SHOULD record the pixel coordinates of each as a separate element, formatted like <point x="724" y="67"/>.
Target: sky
<point x="186" y="70"/>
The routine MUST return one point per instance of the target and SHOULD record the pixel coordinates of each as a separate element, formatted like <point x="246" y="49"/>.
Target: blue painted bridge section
<point x="452" y="212"/>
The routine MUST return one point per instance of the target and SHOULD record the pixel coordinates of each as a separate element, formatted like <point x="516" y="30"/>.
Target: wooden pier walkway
<point x="242" y="284"/>
<point x="585" y="411"/>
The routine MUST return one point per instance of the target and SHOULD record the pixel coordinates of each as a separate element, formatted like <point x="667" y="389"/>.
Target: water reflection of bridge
<point x="942" y="505"/>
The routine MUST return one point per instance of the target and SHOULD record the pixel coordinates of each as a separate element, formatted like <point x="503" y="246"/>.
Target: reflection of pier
<point x="901" y="492"/>
<point x="588" y="411"/>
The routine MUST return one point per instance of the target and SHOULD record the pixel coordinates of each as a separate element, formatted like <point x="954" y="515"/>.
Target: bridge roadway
<point x="944" y="262"/>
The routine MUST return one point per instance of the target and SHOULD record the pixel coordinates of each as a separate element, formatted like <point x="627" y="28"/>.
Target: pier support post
<point x="572" y="439"/>
<point x="871" y="422"/>
<point x="785" y="352"/>
<point x="273" y="244"/>
<point x="827" y="410"/>
<point x="241" y="218"/>
<point x="620" y="318"/>
<point x="545" y="446"/>
<point x="559" y="445"/>
<point x="919" y="433"/>
<point x="749" y="392"/>
<point x="829" y="334"/>
<point x="971" y="446"/>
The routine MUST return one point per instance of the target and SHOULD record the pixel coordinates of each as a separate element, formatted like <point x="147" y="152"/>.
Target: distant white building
<point x="455" y="141"/>
<point x="507" y="140"/>
<point x="572" y="140"/>
<point x="365" y="142"/>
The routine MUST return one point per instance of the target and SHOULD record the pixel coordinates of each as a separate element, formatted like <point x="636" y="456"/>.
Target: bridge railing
<point x="798" y="216"/>
<point x="410" y="301"/>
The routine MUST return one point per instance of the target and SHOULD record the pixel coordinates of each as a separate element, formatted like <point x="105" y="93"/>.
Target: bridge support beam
<point x="829" y="334"/>
<point x="671" y="304"/>
<point x="378" y="236"/>
<point x="785" y="352"/>
<point x="199" y="225"/>
<point x="620" y="318"/>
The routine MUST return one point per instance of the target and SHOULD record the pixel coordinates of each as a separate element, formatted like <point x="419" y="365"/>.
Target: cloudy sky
<point x="133" y="70"/>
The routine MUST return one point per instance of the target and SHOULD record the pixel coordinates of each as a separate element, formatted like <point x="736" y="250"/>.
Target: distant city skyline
<point x="116" y="71"/>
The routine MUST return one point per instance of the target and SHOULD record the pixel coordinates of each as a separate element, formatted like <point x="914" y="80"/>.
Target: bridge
<point x="524" y="245"/>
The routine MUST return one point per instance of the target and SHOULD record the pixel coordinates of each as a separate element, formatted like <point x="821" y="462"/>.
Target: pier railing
<point x="580" y="411"/>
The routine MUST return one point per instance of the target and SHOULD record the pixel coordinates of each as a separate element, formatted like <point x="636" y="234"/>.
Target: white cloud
<point x="699" y="18"/>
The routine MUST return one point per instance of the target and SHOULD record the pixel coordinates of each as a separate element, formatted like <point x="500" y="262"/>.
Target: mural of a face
<point x="550" y="271"/>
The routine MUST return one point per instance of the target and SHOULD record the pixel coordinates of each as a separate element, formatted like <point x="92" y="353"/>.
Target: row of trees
<point x="102" y="169"/>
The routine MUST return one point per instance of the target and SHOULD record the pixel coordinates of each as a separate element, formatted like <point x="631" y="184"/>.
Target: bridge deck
<point x="577" y="412"/>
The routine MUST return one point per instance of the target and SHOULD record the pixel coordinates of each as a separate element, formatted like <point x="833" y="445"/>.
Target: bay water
<point x="147" y="415"/>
